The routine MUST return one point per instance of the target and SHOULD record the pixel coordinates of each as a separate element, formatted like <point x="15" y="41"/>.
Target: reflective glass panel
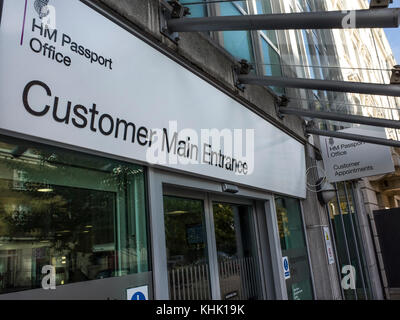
<point x="186" y="241"/>
<point x="197" y="10"/>
<point x="237" y="253"/>
<point x="293" y="244"/>
<point x="237" y="43"/>
<point x="83" y="215"/>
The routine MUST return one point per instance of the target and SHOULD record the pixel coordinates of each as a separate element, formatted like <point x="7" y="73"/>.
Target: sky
<point x="393" y="36"/>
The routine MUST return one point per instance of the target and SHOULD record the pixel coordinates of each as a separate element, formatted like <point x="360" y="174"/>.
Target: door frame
<point x="162" y="182"/>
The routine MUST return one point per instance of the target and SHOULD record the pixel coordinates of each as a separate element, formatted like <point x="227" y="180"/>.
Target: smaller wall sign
<point x="328" y="244"/>
<point x="286" y="268"/>
<point x="348" y="160"/>
<point x="138" y="293"/>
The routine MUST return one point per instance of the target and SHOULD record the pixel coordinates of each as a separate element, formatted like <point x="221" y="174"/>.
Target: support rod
<point x="373" y="18"/>
<point x="354" y="137"/>
<point x="328" y="85"/>
<point x="377" y="122"/>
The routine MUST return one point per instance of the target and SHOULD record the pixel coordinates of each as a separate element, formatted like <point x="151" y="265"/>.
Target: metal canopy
<point x="377" y="122"/>
<point x="353" y="137"/>
<point x="173" y="20"/>
<point x="328" y="85"/>
<point x="372" y="18"/>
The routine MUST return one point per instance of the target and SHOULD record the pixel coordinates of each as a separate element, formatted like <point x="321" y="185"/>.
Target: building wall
<point x="359" y="54"/>
<point x="368" y="197"/>
<point x="365" y="55"/>
<point x="326" y="277"/>
<point x="204" y="54"/>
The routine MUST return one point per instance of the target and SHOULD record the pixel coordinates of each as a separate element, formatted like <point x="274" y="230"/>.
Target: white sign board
<point x="328" y="245"/>
<point x="286" y="267"/>
<point x="139" y="293"/>
<point x="92" y="84"/>
<point x="348" y="160"/>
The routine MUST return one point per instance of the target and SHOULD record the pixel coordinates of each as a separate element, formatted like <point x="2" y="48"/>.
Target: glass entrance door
<point x="210" y="247"/>
<point x="237" y="252"/>
<point x="187" y="255"/>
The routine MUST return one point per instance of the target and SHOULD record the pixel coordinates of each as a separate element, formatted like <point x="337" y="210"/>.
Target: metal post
<point x="344" y="232"/>
<point x="333" y="237"/>
<point x="386" y="123"/>
<point x="329" y="85"/>
<point x="377" y="18"/>
<point x="355" y="238"/>
<point x="1" y="9"/>
<point x="354" y="137"/>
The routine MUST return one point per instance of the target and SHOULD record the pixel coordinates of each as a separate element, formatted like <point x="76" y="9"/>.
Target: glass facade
<point x="293" y="245"/>
<point x="344" y="223"/>
<point x="84" y="215"/>
<point x="259" y="48"/>
<point x="238" y="43"/>
<point x="196" y="11"/>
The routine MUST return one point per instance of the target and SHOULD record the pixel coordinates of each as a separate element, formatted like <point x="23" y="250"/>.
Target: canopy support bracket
<point x="171" y="9"/>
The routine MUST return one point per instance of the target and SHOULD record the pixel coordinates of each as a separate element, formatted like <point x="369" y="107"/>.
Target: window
<point x="264" y="7"/>
<point x="237" y="43"/>
<point x="84" y="215"/>
<point x="293" y="245"/>
<point x="196" y="11"/>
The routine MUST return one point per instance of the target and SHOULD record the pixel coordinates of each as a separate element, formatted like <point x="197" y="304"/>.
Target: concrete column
<point x="326" y="280"/>
<point x="368" y="203"/>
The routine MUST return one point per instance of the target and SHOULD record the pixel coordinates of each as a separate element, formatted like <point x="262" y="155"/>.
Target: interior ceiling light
<point x="45" y="190"/>
<point x="177" y="212"/>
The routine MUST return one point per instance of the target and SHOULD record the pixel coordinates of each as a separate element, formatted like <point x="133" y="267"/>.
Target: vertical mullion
<point x="196" y="281"/>
<point x="359" y="212"/>
<point x="334" y="248"/>
<point x="303" y="222"/>
<point x="179" y="283"/>
<point x="355" y="240"/>
<point x="344" y="231"/>
<point x="214" y="282"/>
<point x="204" y="282"/>
<point x="256" y="42"/>
<point x="193" y="283"/>
<point x="243" y="278"/>
<point x="173" y="284"/>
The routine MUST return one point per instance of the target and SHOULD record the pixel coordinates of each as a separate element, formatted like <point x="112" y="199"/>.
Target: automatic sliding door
<point x="187" y="255"/>
<point x="236" y="251"/>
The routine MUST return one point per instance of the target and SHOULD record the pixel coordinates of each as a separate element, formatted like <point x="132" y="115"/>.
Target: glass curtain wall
<point x="345" y="226"/>
<point x="288" y="53"/>
<point x="317" y="58"/>
<point x="238" y="43"/>
<point x="197" y="10"/>
<point x="259" y="48"/>
<point x="293" y="245"/>
<point x="83" y="215"/>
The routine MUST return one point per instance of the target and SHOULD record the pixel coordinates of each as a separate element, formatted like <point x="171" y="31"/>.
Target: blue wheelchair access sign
<point x="138" y="296"/>
<point x="286" y="268"/>
<point x="139" y="293"/>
